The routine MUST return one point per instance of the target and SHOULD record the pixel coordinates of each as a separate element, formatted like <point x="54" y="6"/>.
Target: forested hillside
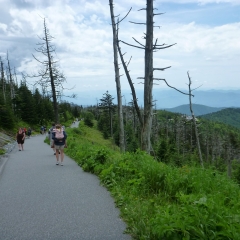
<point x="20" y="107"/>
<point x="230" y="116"/>
<point x="197" y="108"/>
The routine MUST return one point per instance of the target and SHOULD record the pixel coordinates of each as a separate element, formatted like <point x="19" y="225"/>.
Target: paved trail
<point x="41" y="201"/>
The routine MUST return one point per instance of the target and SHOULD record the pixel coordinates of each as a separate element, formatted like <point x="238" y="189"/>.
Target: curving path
<point x="41" y="201"/>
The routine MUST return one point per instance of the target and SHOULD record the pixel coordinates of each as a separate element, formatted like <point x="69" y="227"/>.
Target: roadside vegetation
<point x="159" y="201"/>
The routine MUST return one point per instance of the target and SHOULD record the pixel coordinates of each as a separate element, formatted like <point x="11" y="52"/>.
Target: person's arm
<point x="65" y="135"/>
<point x="23" y="136"/>
<point x="53" y="135"/>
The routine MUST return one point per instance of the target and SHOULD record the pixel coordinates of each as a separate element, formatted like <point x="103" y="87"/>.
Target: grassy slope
<point x="158" y="201"/>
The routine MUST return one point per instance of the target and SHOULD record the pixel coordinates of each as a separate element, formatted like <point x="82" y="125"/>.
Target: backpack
<point x="59" y="134"/>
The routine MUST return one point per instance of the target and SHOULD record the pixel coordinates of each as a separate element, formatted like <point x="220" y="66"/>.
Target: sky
<point x="206" y="33"/>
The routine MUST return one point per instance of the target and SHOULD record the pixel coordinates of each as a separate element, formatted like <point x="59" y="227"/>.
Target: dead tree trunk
<point x="51" y="78"/>
<point x="117" y="79"/>
<point x="49" y="65"/>
<point x="148" y="79"/>
<point x="11" y="81"/>
<point x="194" y="122"/>
<point x="3" y="82"/>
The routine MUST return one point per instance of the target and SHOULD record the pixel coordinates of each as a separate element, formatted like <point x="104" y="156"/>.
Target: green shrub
<point x="88" y="119"/>
<point x="160" y="201"/>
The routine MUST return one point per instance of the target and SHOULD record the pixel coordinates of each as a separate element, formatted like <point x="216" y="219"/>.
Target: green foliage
<point x="103" y="125"/>
<point x="7" y="120"/>
<point x="156" y="200"/>
<point x="2" y="151"/>
<point x="228" y="116"/>
<point x="236" y="171"/>
<point x="88" y="119"/>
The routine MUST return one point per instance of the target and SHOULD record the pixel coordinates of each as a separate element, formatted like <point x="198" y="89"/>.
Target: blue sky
<point x="208" y="14"/>
<point x="207" y="34"/>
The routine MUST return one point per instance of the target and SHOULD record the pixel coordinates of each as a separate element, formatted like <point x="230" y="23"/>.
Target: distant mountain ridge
<point x="166" y="98"/>
<point x="230" y="116"/>
<point x="198" y="109"/>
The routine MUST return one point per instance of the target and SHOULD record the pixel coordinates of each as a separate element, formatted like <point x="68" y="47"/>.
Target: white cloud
<point x="83" y="39"/>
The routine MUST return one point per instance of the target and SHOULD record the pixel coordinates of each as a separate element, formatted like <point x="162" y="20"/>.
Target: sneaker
<point x="57" y="163"/>
<point x="19" y="150"/>
<point x="59" y="152"/>
<point x="54" y="154"/>
<point x="61" y="164"/>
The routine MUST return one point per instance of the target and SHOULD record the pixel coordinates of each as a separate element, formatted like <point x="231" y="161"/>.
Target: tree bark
<point x="3" y="81"/>
<point x="148" y="80"/>
<point x="117" y="80"/>
<point x="194" y="122"/>
<point x="55" y="104"/>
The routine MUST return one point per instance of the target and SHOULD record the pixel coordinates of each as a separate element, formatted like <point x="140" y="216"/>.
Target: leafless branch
<point x="161" y="79"/>
<point x="137" y="23"/>
<point x="165" y="47"/>
<point x="161" y="69"/>
<point x="131" y="44"/>
<point x="131" y="86"/>
<point x="37" y="59"/>
<point x="138" y="42"/>
<point x="197" y="87"/>
<point x="158" y="14"/>
<point x="124" y="17"/>
<point x="129" y="61"/>
<point x="142" y="9"/>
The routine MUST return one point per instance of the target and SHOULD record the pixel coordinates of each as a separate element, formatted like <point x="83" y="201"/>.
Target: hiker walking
<point x="29" y="132"/>
<point x="20" y="136"/>
<point x="59" y="137"/>
<point x="50" y="132"/>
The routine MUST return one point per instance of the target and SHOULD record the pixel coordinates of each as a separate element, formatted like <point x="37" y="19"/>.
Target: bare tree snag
<point x="117" y="80"/>
<point x="146" y="119"/>
<point x="3" y="81"/>
<point x="194" y="122"/>
<point x="11" y="81"/>
<point x="148" y="79"/>
<point x="51" y="79"/>
<point x="131" y="86"/>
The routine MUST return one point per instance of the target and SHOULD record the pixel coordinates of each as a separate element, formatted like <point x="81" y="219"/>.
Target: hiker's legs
<point x="52" y="144"/>
<point x="57" y="154"/>
<point x="62" y="153"/>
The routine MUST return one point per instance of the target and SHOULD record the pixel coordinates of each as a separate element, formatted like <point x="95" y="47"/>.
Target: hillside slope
<point x="197" y="108"/>
<point x="230" y="116"/>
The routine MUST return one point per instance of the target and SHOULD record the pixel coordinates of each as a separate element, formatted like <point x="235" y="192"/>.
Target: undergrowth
<point x="158" y="201"/>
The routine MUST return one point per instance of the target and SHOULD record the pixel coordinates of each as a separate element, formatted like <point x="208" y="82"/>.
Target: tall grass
<point x="158" y="201"/>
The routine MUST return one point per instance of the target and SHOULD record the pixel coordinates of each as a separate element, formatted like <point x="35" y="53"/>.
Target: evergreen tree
<point x="25" y="106"/>
<point x="106" y="104"/>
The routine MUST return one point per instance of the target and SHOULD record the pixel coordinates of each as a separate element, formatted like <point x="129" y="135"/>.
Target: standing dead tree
<point x="117" y="80"/>
<point x="51" y="78"/>
<point x="11" y="80"/>
<point x="194" y="121"/>
<point x="145" y="119"/>
<point x="3" y="81"/>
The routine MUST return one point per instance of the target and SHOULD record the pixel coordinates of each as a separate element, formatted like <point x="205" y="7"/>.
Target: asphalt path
<point x="40" y="200"/>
